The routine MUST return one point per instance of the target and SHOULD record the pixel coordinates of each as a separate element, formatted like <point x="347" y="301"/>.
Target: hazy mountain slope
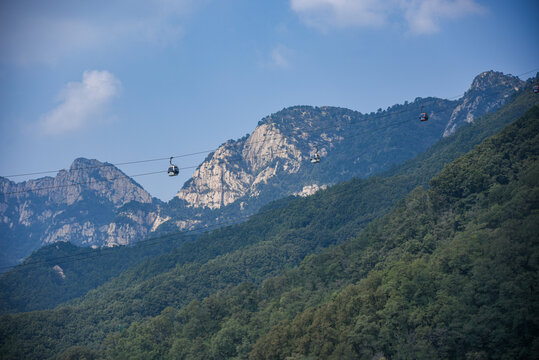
<point x="449" y="273"/>
<point x="61" y="271"/>
<point x="112" y="306"/>
<point x="91" y="212"/>
<point x="269" y="242"/>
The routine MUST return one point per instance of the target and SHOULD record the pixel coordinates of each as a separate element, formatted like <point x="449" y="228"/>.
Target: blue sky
<point x="123" y="80"/>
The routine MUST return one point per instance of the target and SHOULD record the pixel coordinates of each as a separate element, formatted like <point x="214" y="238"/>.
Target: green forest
<point x="451" y="272"/>
<point x="436" y="258"/>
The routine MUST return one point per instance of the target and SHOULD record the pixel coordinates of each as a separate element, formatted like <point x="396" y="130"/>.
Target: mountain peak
<point x="491" y="78"/>
<point x="83" y="204"/>
<point x="478" y="99"/>
<point x="81" y="162"/>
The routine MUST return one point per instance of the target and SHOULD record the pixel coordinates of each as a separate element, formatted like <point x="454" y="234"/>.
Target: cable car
<point x="423" y="116"/>
<point x="173" y="170"/>
<point x="315" y="158"/>
<point x="536" y="89"/>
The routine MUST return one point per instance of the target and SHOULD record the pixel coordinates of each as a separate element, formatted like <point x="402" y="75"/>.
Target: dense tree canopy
<point x="449" y="273"/>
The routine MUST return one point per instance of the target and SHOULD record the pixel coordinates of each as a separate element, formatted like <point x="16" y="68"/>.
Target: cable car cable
<point x="212" y="150"/>
<point x="150" y="241"/>
<point x="164" y="171"/>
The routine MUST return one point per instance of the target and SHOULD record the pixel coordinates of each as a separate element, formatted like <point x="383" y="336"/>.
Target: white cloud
<point x="81" y="102"/>
<point x="420" y="16"/>
<point x="36" y="32"/>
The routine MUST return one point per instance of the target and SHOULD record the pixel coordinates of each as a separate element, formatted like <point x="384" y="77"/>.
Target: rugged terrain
<point x="273" y="161"/>
<point x="105" y="208"/>
<point x="452" y="264"/>
<point x="85" y="205"/>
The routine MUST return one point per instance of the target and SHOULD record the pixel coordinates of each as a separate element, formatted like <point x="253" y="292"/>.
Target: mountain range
<point x="95" y="204"/>
<point x="433" y="258"/>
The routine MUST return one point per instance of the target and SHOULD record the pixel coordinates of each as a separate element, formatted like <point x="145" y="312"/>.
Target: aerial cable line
<point x="369" y="130"/>
<point x="182" y="168"/>
<point x="149" y="242"/>
<point x="109" y="164"/>
<point x="365" y="119"/>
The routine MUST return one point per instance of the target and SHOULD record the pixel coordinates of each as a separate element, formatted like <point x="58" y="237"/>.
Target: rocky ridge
<point x="237" y="168"/>
<point x="83" y="205"/>
<point x="106" y="208"/>
<point x="487" y="85"/>
<point x="280" y="146"/>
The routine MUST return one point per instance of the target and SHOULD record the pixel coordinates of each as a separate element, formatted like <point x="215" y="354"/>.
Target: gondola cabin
<point x="536" y="89"/>
<point x="423" y="116"/>
<point x="173" y="170"/>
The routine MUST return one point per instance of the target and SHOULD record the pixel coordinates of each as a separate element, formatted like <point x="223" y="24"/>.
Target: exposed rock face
<point x="280" y="145"/>
<point x="83" y="205"/>
<point x="238" y="167"/>
<point x="59" y="271"/>
<point x="489" y="91"/>
<point x="308" y="190"/>
<point x="84" y="176"/>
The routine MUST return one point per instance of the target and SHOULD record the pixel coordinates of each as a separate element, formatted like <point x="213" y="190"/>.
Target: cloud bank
<point x="81" y="102"/>
<point x="420" y="16"/>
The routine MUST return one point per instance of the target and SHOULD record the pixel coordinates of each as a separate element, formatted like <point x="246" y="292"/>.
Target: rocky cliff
<point x="85" y="205"/>
<point x="489" y="91"/>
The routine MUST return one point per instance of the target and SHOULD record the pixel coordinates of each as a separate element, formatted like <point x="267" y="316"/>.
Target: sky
<point x="130" y="80"/>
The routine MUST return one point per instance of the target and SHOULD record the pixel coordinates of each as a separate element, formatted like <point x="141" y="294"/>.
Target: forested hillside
<point x="451" y="272"/>
<point x="62" y="271"/>
<point x="39" y="285"/>
<point x="300" y="227"/>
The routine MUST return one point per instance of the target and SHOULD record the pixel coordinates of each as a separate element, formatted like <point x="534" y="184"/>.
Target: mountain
<point x="89" y="204"/>
<point x="62" y="271"/>
<point x="106" y="208"/>
<point x="487" y="85"/>
<point x="449" y="273"/>
<point x="273" y="241"/>
<point x="273" y="161"/>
